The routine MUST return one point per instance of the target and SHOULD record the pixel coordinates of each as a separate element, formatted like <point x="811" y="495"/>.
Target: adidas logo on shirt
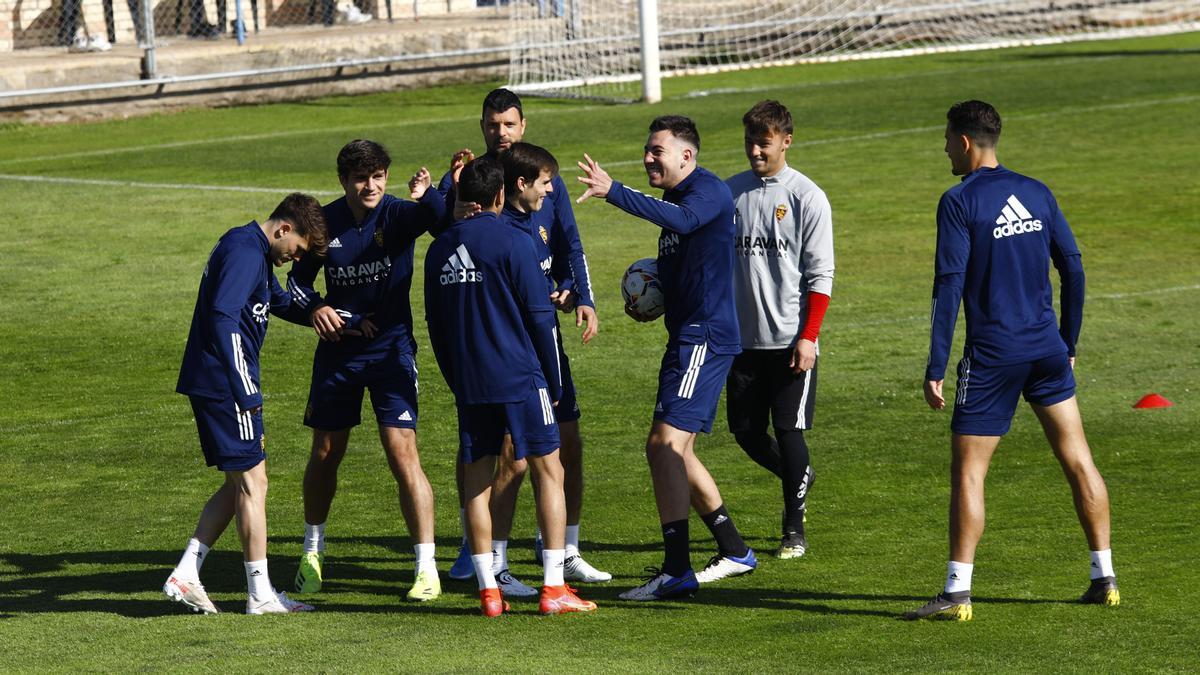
<point x="336" y="243"/>
<point x="1015" y="219"/>
<point x="460" y="269"/>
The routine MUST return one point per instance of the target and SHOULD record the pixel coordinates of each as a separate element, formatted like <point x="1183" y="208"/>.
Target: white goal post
<point x="618" y="49"/>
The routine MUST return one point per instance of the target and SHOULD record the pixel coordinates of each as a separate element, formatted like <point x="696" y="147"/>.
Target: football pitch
<point x="108" y="226"/>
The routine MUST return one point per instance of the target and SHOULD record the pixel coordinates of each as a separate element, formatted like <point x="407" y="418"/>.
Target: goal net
<point x="591" y="48"/>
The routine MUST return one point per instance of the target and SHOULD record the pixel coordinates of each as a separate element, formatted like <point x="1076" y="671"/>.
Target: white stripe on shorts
<point x="687" y="386"/>
<point x="547" y="407"/>
<point x="964" y="381"/>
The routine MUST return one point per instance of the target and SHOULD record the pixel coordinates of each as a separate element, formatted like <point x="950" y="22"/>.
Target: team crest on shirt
<point x="379" y="237"/>
<point x="780" y="212"/>
<point x="545" y="235"/>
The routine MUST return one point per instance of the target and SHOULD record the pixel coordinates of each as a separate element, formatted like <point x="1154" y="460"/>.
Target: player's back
<point x="479" y="276"/>
<point x="1013" y="228"/>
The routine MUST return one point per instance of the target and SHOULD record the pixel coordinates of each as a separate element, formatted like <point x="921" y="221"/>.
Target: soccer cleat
<point x="463" y="568"/>
<point x="510" y="586"/>
<point x="793" y="545"/>
<point x="663" y="586"/>
<point x="1103" y="591"/>
<point x="562" y="599"/>
<point x="575" y="568"/>
<point x="491" y="602"/>
<point x="427" y="586"/>
<point x="724" y="566"/>
<point x="944" y="606"/>
<point x="279" y="603"/>
<point x="308" y="575"/>
<point x="190" y="593"/>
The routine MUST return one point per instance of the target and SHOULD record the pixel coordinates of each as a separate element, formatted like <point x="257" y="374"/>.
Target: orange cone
<point x="1152" y="401"/>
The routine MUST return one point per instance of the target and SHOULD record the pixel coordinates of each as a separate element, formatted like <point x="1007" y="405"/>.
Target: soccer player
<point x="220" y="375"/>
<point x="365" y="325"/>
<point x="783" y="250"/>
<point x="503" y="125"/>
<point x="493" y="332"/>
<point x="695" y="268"/>
<point x="997" y="234"/>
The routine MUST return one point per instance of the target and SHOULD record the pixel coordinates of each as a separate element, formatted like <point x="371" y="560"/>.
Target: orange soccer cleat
<point x="492" y="603"/>
<point x="562" y="599"/>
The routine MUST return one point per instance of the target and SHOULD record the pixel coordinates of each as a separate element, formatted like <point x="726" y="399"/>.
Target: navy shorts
<point x="689" y="386"/>
<point x="338" y="380"/>
<point x="986" y="396"/>
<point x="231" y="440"/>
<point x="531" y="423"/>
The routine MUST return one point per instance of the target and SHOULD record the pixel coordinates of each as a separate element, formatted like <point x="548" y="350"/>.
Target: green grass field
<point x="101" y="478"/>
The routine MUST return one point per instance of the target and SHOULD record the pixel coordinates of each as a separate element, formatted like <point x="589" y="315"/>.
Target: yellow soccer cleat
<point x="308" y="576"/>
<point x="944" y="607"/>
<point x="427" y="586"/>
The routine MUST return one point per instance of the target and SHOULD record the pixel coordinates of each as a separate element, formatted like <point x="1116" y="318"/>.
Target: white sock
<point x="425" y="562"/>
<point x="191" y="561"/>
<point x="499" y="555"/>
<point x="572" y="540"/>
<point x="483" y="570"/>
<point x="552" y="566"/>
<point x="314" y="538"/>
<point x="1102" y="564"/>
<point x="258" y="582"/>
<point x="958" y="576"/>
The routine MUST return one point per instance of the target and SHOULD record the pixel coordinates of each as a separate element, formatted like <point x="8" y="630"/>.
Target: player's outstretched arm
<point x="596" y="179"/>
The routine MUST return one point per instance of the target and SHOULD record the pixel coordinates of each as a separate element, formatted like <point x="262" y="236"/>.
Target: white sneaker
<point x="724" y="566"/>
<point x="98" y="43"/>
<point x="79" y="43"/>
<point x="350" y="15"/>
<point x="575" y="568"/>
<point x="512" y="588"/>
<point x="663" y="586"/>
<point x="190" y="593"/>
<point x="280" y="603"/>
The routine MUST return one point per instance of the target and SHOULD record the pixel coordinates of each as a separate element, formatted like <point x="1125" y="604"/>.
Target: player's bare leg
<point x="461" y="569"/>
<point x="416" y="504"/>
<point x="1064" y="429"/>
<point x="320" y="487"/>
<point x="183" y="584"/>
<point x="734" y="557"/>
<point x="557" y="598"/>
<point x="506" y="487"/>
<point x="250" y="499"/>
<point x="571" y="450"/>
<point x="477" y="489"/>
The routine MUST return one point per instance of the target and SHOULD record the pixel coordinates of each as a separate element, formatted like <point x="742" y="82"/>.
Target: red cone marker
<point x="1152" y="401"/>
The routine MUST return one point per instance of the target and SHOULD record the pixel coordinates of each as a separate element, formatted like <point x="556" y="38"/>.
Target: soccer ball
<point x="643" y="294"/>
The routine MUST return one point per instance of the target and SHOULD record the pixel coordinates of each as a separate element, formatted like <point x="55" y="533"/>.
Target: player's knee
<point x="513" y="469"/>
<point x="754" y="442"/>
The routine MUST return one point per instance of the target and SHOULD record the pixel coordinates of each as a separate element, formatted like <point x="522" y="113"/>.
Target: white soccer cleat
<point x="280" y="603"/>
<point x="663" y="586"/>
<point x="725" y="566"/>
<point x="512" y="588"/>
<point x="190" y="593"/>
<point x="575" y="568"/>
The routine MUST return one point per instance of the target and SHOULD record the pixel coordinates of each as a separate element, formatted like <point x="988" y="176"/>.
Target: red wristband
<point x="817" y="304"/>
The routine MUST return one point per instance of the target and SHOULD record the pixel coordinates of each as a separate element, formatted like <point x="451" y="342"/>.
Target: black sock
<point x="677" y="558"/>
<point x="729" y="540"/>
<point x="761" y="448"/>
<point x="797" y="478"/>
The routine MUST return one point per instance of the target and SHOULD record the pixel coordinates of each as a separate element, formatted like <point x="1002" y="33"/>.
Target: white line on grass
<point x="157" y="186"/>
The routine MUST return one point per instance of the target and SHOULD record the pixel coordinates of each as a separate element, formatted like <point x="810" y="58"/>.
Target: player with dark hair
<point x="783" y="250"/>
<point x="220" y="375"/>
<point x="998" y="232"/>
<point x="503" y="125"/>
<point x="493" y="332"/>
<point x="695" y="268"/>
<point x="364" y="322"/>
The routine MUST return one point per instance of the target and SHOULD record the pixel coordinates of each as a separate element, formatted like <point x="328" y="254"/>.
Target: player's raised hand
<point x="458" y="161"/>
<point x="595" y="177"/>
<point x="804" y="355"/>
<point x="587" y="315"/>
<point x="419" y="183"/>
<point x="464" y="210"/>
<point x="933" y="394"/>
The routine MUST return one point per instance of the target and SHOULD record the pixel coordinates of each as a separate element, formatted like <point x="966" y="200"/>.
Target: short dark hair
<point x="500" y="100"/>
<point x="360" y="156"/>
<point x="680" y="127"/>
<point x="306" y="217"/>
<point x="766" y="117"/>
<point x="480" y="181"/>
<point x="976" y="120"/>
<point x="528" y="161"/>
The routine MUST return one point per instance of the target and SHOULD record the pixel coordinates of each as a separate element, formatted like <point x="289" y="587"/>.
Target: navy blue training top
<point x="997" y="234"/>
<point x="368" y="271"/>
<point x="491" y="323"/>
<point x="695" y="258"/>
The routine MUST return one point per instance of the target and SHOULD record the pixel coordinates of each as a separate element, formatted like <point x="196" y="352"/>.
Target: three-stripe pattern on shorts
<point x="687" y="385"/>
<point x="547" y="407"/>
<point x="245" y="424"/>
<point x="964" y="379"/>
